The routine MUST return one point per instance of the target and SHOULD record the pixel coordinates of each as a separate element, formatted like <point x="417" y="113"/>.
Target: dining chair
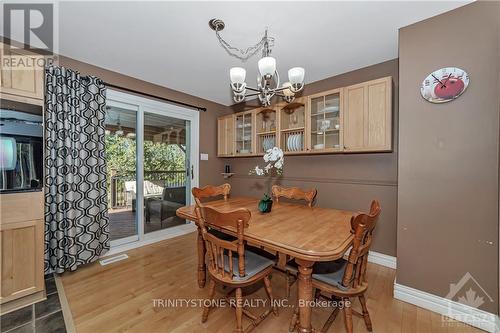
<point x="293" y="193"/>
<point x="231" y="265"/>
<point x="344" y="279"/>
<point x="211" y="192"/>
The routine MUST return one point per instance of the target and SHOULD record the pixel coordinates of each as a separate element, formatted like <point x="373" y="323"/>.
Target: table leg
<point x="201" y="260"/>
<point x="305" y="296"/>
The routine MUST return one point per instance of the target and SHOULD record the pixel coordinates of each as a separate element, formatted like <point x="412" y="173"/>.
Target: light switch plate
<point x="204" y="157"/>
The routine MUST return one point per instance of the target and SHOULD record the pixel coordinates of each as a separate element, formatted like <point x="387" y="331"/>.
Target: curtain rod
<point x="199" y="108"/>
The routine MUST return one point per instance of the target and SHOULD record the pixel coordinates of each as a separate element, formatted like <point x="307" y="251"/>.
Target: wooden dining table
<point x="307" y="234"/>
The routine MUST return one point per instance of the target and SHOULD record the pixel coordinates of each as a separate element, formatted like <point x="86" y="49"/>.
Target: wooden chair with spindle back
<point x="344" y="279"/>
<point x="204" y="194"/>
<point x="231" y="265"/>
<point x="211" y="192"/>
<point x="293" y="193"/>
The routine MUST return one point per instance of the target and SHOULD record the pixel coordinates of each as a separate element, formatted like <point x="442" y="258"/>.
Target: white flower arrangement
<point x="274" y="159"/>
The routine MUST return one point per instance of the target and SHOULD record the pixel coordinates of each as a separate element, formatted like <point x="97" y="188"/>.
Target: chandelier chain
<point x="245" y="54"/>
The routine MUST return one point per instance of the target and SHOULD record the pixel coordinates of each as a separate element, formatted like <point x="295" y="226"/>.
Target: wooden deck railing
<point x="118" y="195"/>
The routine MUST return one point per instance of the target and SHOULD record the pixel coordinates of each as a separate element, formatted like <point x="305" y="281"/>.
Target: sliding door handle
<point x="192" y="171"/>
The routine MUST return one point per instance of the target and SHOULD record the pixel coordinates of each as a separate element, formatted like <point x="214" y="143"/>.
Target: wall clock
<point x="444" y="85"/>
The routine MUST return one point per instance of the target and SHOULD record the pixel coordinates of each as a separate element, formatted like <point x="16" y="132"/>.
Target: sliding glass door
<point x="121" y="162"/>
<point x="166" y="181"/>
<point x="152" y="165"/>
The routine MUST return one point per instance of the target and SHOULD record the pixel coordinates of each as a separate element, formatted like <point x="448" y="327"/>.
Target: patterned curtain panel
<point x="76" y="212"/>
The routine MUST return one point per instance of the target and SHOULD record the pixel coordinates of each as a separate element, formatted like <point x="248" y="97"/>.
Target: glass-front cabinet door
<point x="244" y="128"/>
<point x="326" y="121"/>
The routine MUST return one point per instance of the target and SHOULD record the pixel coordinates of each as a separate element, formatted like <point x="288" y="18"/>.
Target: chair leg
<point x="269" y="291"/>
<point x="348" y="315"/>
<point x="317" y="294"/>
<point x="287" y="286"/>
<point x="294" y="320"/>
<point x="239" y="311"/>
<point x="211" y="292"/>
<point x="366" y="315"/>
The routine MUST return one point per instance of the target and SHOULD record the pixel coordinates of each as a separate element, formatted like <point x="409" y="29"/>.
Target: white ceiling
<point x="170" y="43"/>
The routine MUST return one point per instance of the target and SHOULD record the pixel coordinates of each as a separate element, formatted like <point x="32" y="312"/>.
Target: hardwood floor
<point x="119" y="298"/>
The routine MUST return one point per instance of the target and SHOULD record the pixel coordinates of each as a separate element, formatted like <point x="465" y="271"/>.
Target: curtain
<point x="76" y="212"/>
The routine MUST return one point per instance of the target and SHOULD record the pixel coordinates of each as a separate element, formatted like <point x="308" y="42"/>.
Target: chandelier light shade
<point x="267" y="66"/>
<point x="237" y="75"/>
<point x="296" y="75"/>
<point x="268" y="80"/>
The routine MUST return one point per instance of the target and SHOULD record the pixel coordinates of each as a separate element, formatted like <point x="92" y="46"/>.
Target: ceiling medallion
<point x="268" y="80"/>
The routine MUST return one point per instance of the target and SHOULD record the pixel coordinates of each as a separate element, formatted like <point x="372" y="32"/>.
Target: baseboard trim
<point x="171" y="233"/>
<point x="66" y="311"/>
<point x="382" y="259"/>
<point x="379" y="259"/>
<point x="460" y="312"/>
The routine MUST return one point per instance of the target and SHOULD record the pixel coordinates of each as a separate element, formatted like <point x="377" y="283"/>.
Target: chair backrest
<point x="149" y="187"/>
<point x="175" y="194"/>
<point x="294" y="193"/>
<point x="152" y="188"/>
<point x="362" y="226"/>
<point x="210" y="191"/>
<point x="221" y="252"/>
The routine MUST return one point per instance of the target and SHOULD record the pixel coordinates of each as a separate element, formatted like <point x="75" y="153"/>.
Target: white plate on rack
<point x="299" y="141"/>
<point x="289" y="143"/>
<point x="295" y="142"/>
<point x="272" y="143"/>
<point x="268" y="143"/>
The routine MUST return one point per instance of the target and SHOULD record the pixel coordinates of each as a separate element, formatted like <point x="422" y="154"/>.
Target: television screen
<point x="8" y="153"/>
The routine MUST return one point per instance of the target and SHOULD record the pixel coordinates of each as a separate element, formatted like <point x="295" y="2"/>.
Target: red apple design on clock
<point x="444" y="85"/>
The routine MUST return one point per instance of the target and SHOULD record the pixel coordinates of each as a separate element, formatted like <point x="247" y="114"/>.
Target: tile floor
<point x="42" y="317"/>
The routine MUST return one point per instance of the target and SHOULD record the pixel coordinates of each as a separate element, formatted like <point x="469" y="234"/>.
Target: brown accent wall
<point x="209" y="170"/>
<point x="344" y="181"/>
<point x="448" y="200"/>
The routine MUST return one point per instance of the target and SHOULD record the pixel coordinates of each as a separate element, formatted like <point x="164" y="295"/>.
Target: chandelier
<point x="268" y="80"/>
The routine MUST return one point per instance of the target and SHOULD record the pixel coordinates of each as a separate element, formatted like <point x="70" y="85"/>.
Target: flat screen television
<point x="21" y="151"/>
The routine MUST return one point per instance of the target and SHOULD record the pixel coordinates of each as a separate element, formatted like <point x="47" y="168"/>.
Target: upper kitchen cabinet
<point x="350" y="119"/>
<point x="368" y="116"/>
<point x="21" y="75"/>
<point x="325" y="118"/>
<point x="225" y="132"/>
<point x="244" y="129"/>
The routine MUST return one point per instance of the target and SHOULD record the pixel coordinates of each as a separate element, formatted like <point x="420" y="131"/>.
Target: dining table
<point x="292" y="231"/>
